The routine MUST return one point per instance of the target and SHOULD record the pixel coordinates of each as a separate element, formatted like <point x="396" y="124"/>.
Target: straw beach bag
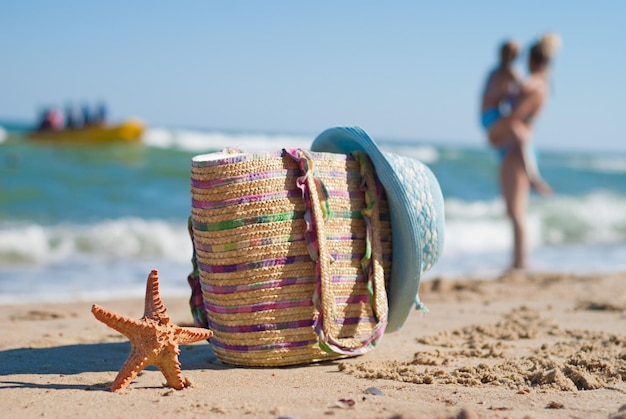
<point x="292" y="250"/>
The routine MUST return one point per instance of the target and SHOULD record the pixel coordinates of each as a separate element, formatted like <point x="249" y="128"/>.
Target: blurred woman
<point x="511" y="135"/>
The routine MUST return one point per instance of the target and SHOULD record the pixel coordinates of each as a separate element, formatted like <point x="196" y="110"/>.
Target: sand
<point x="520" y="346"/>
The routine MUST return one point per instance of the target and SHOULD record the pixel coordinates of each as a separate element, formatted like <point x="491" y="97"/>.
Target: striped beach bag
<point x="292" y="253"/>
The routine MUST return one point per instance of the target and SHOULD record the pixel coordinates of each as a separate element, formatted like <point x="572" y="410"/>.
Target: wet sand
<point x="521" y="346"/>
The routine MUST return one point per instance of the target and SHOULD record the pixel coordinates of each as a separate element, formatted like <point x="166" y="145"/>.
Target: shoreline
<point x="540" y="344"/>
<point x="174" y="284"/>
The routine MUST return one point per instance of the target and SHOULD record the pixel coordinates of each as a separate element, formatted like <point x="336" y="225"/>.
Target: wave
<point x="126" y="238"/>
<point x="597" y="218"/>
<point x="196" y="140"/>
<point x="600" y="163"/>
<point x="202" y="141"/>
<point x="111" y="258"/>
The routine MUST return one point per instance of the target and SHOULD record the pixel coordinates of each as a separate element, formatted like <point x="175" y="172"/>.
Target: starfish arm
<point x="135" y="363"/>
<point x="122" y="324"/>
<point x="192" y="334"/>
<point x="169" y="365"/>
<point x="154" y="308"/>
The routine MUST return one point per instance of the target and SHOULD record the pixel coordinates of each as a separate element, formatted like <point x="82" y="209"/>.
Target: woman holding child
<point x="509" y="108"/>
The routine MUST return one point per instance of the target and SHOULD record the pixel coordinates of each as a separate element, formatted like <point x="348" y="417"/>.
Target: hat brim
<point x="406" y="266"/>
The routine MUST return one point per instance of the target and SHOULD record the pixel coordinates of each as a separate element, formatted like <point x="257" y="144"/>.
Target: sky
<point x="403" y="70"/>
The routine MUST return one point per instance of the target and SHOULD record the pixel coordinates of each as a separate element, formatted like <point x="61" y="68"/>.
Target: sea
<point x="85" y="222"/>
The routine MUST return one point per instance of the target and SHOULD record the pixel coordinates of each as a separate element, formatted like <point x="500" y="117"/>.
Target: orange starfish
<point x="154" y="338"/>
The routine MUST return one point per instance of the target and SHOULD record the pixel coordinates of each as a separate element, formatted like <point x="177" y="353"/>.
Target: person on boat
<point x="88" y="118"/>
<point x="73" y="117"/>
<point x="101" y="113"/>
<point x="51" y="120"/>
<point x="69" y="118"/>
<point x="45" y="120"/>
<point x="58" y="121"/>
<point x="511" y="135"/>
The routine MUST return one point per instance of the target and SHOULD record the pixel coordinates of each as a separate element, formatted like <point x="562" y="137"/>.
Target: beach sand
<point x="521" y="346"/>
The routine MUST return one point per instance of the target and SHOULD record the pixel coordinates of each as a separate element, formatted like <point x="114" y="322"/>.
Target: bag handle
<point x="323" y="297"/>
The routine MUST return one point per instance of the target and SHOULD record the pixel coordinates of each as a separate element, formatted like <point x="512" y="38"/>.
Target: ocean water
<point x="90" y="222"/>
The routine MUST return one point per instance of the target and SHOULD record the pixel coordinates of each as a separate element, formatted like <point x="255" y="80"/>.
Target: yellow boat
<point x="128" y="131"/>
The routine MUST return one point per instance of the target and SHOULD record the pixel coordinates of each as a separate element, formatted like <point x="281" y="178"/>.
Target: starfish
<point x="154" y="338"/>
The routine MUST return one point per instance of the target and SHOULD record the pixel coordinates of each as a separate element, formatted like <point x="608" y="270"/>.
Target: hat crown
<point x="425" y="201"/>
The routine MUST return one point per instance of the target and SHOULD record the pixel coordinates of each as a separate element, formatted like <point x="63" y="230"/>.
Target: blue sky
<point x="400" y="69"/>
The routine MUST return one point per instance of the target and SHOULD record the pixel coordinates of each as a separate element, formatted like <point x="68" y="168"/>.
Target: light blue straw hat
<point x="416" y="209"/>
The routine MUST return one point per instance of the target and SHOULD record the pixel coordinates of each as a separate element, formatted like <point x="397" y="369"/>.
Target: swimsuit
<point x="489" y="116"/>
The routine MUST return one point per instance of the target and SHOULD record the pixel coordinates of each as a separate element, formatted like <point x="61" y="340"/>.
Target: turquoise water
<point x="91" y="222"/>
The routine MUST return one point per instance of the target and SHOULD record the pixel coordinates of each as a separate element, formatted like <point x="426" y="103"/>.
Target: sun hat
<point x="416" y="211"/>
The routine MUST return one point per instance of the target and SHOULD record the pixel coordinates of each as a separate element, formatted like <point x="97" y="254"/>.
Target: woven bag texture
<point x="249" y="225"/>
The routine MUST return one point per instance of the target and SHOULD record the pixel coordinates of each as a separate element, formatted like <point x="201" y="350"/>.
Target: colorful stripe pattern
<point x="245" y="284"/>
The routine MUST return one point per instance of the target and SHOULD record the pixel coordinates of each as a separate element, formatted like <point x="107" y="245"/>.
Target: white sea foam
<point x="202" y="141"/>
<point x="108" y="259"/>
<point x="599" y="163"/>
<point x="565" y="233"/>
<point x="23" y="243"/>
<point x="475" y="227"/>
<point x="472" y="227"/>
<point x="459" y="209"/>
<point x="124" y="238"/>
<point x="598" y="218"/>
<point x="194" y="140"/>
